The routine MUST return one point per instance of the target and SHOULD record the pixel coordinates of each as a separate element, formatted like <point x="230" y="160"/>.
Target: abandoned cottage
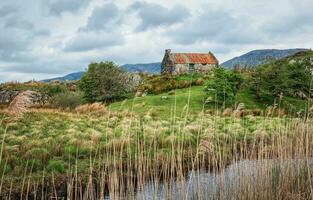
<point x="180" y="63"/>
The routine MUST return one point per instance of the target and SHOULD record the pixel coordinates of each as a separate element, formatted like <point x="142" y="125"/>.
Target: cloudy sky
<point x="47" y="38"/>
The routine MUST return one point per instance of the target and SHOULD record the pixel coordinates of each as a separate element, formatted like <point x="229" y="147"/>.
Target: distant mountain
<point x="69" y="77"/>
<point x="258" y="57"/>
<point x="153" y="68"/>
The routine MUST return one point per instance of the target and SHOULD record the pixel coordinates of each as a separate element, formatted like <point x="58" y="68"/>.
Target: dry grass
<point x="127" y="153"/>
<point x="91" y="108"/>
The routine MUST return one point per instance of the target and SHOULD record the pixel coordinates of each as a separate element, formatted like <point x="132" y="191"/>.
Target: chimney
<point x="167" y="51"/>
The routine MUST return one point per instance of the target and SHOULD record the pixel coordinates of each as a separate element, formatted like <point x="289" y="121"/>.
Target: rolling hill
<point x="258" y="57"/>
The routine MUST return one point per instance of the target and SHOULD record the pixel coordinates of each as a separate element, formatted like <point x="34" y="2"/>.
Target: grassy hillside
<point x="193" y="98"/>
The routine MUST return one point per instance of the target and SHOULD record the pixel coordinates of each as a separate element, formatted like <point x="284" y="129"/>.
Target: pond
<point x="246" y="176"/>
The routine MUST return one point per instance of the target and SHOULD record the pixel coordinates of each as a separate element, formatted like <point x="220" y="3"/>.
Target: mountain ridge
<point x="260" y="56"/>
<point x="250" y="59"/>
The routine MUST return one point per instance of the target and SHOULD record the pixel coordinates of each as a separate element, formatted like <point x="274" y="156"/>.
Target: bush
<point x="104" y="81"/>
<point x="69" y="100"/>
<point x="224" y="86"/>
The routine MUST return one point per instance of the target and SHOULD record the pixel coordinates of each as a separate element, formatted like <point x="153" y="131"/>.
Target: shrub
<point x="52" y="89"/>
<point x="224" y="86"/>
<point x="104" y="81"/>
<point x="69" y="100"/>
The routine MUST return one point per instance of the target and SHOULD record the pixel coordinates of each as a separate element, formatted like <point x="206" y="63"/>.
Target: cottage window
<point x="191" y="67"/>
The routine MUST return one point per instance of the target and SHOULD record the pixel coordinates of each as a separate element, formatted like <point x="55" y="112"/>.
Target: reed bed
<point x="104" y="155"/>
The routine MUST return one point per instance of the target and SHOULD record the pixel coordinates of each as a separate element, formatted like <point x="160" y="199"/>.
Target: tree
<point x="282" y="77"/>
<point x="224" y="86"/>
<point x="104" y="81"/>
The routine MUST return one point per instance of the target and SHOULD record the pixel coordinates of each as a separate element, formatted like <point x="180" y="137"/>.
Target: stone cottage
<point x="181" y="63"/>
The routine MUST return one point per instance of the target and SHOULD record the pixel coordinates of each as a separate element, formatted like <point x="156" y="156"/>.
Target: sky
<point x="46" y="38"/>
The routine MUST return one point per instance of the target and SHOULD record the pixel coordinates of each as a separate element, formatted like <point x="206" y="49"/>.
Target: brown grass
<point x="91" y="108"/>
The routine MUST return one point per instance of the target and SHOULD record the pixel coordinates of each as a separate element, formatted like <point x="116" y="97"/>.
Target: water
<point x="217" y="185"/>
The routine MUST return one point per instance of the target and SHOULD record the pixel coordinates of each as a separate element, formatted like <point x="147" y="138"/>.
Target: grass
<point x="194" y="97"/>
<point x="96" y="151"/>
<point x="57" y="143"/>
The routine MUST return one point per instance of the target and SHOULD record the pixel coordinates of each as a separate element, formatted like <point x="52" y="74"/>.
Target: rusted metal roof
<point x="196" y="58"/>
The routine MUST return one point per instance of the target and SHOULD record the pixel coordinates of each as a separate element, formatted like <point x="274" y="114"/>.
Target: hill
<point x="152" y="68"/>
<point x="69" y="77"/>
<point x="258" y="57"/>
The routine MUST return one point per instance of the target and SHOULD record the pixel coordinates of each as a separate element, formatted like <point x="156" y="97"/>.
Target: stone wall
<point x="200" y="68"/>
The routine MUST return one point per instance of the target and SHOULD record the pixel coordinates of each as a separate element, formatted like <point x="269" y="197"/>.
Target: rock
<point x="21" y="103"/>
<point x="36" y="98"/>
<point x="7" y="96"/>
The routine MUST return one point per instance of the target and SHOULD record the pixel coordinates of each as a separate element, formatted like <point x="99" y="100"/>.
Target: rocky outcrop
<point x="7" y="97"/>
<point x="21" y="103"/>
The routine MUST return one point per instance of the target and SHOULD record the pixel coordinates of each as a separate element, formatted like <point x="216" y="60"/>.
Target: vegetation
<point x="49" y="89"/>
<point x="104" y="81"/>
<point x="110" y="148"/>
<point x="141" y="147"/>
<point x="224" y="86"/>
<point x="290" y="77"/>
<point x="68" y="100"/>
<point x="157" y="84"/>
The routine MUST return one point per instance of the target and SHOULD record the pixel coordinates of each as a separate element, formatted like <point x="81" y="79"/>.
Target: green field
<point x="194" y="98"/>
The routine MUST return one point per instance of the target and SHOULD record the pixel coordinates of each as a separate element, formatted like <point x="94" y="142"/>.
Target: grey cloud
<point x="12" y="42"/>
<point x="14" y="22"/>
<point x="295" y="22"/>
<point x="42" y="32"/>
<point x="154" y="15"/>
<point x="103" y="18"/>
<point x="217" y="26"/>
<point x="59" y="6"/>
<point x="7" y="10"/>
<point x="85" y="41"/>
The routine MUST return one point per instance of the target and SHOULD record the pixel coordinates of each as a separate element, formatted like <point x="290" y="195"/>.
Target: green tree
<point x="104" y="81"/>
<point x="287" y="77"/>
<point x="224" y="86"/>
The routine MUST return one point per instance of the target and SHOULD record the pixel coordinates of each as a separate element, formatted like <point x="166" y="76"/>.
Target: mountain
<point x="258" y="57"/>
<point x="69" y="77"/>
<point x="153" y="68"/>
